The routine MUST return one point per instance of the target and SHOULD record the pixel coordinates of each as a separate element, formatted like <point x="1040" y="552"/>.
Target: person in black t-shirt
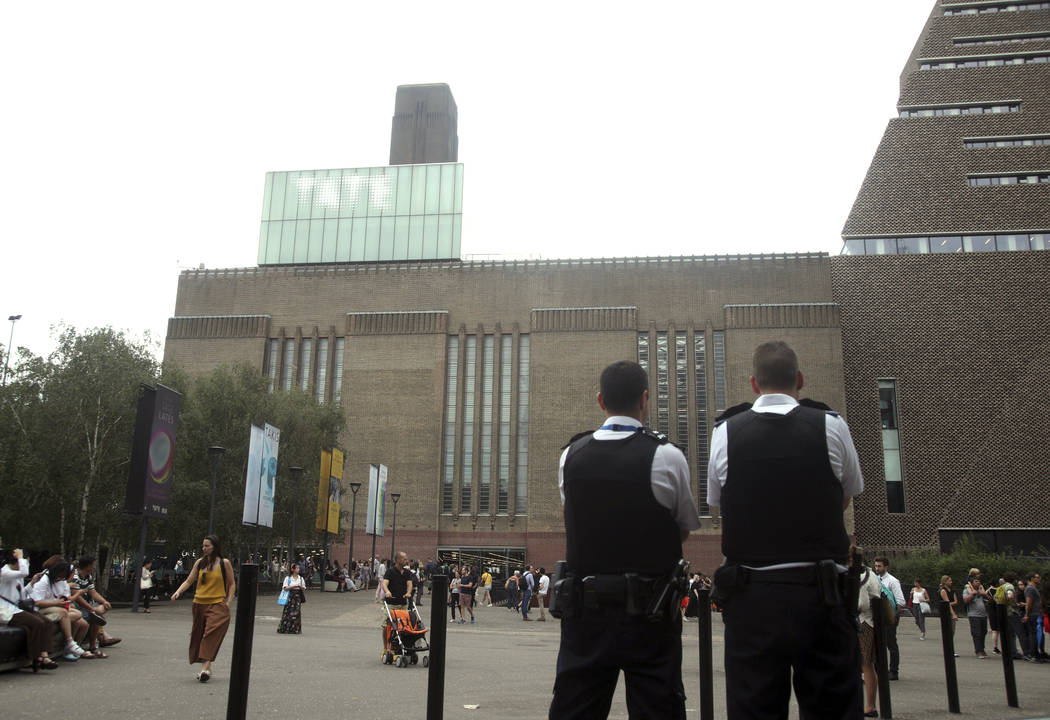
<point x="397" y="585"/>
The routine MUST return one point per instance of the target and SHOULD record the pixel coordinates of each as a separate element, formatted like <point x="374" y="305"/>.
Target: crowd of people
<point x="1027" y="611"/>
<point x="63" y="594"/>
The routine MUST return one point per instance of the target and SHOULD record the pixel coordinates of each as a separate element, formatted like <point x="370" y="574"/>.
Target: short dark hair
<point x="85" y="561"/>
<point x="622" y="385"/>
<point x="775" y="366"/>
<point x="883" y="559"/>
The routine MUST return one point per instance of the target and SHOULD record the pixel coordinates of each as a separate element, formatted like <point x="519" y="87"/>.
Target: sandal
<point x="99" y="654"/>
<point x="47" y="663"/>
<point x="203" y="676"/>
<point x="88" y="655"/>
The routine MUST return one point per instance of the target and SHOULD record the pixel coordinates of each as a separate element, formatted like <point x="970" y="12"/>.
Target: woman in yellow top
<point x="211" y="604"/>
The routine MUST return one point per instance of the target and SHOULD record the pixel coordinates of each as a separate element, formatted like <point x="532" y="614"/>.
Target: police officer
<point x="628" y="508"/>
<point x="783" y="474"/>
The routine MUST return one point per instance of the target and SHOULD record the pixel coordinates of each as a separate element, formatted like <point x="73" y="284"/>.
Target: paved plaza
<point x="502" y="665"/>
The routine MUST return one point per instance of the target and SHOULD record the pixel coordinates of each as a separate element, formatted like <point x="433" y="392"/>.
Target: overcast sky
<point x="136" y="135"/>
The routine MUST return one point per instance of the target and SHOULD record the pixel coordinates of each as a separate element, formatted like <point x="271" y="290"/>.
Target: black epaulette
<point x="730" y="412"/>
<point x="576" y="437"/>
<point x="657" y="436"/>
<point x="817" y="405"/>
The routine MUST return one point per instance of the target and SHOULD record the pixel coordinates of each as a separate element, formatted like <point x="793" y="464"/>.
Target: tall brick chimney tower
<point x="424" y="126"/>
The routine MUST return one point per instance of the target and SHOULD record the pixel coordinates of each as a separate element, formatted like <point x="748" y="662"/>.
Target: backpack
<point x="890" y="613"/>
<point x="1000" y="595"/>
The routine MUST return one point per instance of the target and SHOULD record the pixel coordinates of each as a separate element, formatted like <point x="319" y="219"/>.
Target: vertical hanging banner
<point x="323" y="479"/>
<point x="335" y="491"/>
<point x="376" y="500"/>
<point x="260" y="483"/>
<point x="153" y="452"/>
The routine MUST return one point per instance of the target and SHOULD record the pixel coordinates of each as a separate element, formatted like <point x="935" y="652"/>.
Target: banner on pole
<point x="335" y="491"/>
<point x="323" y="479"/>
<point x="153" y="452"/>
<point x="259" y="485"/>
<point x="376" y="500"/>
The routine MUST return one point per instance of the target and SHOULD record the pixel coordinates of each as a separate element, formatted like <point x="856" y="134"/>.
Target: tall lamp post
<point x="354" y="487"/>
<point x="10" y="341"/>
<point x="297" y="473"/>
<point x="393" y="533"/>
<point x="216" y="452"/>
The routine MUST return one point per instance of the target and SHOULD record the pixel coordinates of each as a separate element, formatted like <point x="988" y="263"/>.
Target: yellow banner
<point x="322" y="488"/>
<point x="335" y="491"/>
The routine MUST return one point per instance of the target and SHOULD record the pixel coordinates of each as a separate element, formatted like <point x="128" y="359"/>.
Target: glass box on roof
<point x="394" y="213"/>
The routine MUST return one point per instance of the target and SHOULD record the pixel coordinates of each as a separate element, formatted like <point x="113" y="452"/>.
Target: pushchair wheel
<point x="426" y="661"/>
<point x="387" y="658"/>
<point x="402" y="661"/>
<point x="413" y="660"/>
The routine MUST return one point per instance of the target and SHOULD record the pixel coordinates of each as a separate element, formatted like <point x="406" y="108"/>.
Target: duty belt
<point x="783" y="576"/>
<point x="629" y="591"/>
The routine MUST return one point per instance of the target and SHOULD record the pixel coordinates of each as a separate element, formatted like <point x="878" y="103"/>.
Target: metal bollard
<point x="1006" y="640"/>
<point x="438" y="631"/>
<point x="243" y="634"/>
<point x="948" y="645"/>
<point x="881" y="666"/>
<point x="707" y="692"/>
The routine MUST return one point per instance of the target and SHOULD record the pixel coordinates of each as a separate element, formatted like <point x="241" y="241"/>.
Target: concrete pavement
<point x="500" y="664"/>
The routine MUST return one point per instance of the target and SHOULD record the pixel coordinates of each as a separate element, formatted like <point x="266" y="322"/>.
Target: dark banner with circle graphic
<point x="153" y="452"/>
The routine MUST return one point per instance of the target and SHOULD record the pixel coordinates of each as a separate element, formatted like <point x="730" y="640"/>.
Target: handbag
<point x="24" y="604"/>
<point x="282" y="599"/>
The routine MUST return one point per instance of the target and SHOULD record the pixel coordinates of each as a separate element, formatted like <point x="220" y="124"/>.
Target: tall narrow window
<point x="700" y="373"/>
<point x="271" y="363"/>
<point x="643" y="360"/>
<point x="720" y="370"/>
<point x="681" y="391"/>
<point x="469" y="376"/>
<point x="487" y="388"/>
<point x="306" y="351"/>
<point x="322" y="369"/>
<point x="337" y="371"/>
<point x="451" y="393"/>
<point x="663" y="419"/>
<point x="505" y="390"/>
<point x="521" y="503"/>
<point x="289" y="362"/>
<point x="891" y="446"/>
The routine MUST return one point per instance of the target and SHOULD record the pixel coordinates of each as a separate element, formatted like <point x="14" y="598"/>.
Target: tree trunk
<point x="62" y="529"/>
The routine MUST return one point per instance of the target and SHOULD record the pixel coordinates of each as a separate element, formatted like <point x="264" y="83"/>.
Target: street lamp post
<point x="354" y="487"/>
<point x="393" y="533"/>
<point x="216" y="452"/>
<point x="10" y="341"/>
<point x="297" y="473"/>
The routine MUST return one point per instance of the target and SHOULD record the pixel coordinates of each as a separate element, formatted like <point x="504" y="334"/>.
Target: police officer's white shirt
<point x="841" y="452"/>
<point x="669" y="479"/>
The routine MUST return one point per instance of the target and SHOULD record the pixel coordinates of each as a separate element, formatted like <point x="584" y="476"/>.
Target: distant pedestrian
<point x="211" y="604"/>
<point x="544" y="585"/>
<point x="975" y="598"/>
<point x="882" y="567"/>
<point x="466" y="595"/>
<point x="511" y="586"/>
<point x="920" y="607"/>
<point x="293" y="590"/>
<point x="949" y="598"/>
<point x="528" y="586"/>
<point x="146" y="583"/>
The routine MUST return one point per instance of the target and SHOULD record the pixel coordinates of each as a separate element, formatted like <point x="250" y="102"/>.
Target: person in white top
<point x="544" y="585"/>
<point x="293" y="591"/>
<point x="869" y="588"/>
<point x="882" y="566"/>
<point x="13" y="575"/>
<point x="52" y="597"/>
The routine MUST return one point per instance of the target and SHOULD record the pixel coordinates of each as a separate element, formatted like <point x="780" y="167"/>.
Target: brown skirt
<point x="866" y="635"/>
<point x="210" y="623"/>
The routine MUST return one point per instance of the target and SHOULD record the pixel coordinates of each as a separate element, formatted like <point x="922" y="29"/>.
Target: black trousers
<point x="595" y="648"/>
<point x="895" y="651"/>
<point x="777" y="635"/>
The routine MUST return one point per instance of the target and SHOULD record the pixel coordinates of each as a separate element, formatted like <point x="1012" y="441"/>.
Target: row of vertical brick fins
<point x="397" y="323"/>
<point x="786" y="315"/>
<point x="588" y="318"/>
<point x="219" y="326"/>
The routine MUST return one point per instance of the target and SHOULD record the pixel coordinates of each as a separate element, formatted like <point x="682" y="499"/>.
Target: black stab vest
<point x="781" y="501"/>
<point x="613" y="524"/>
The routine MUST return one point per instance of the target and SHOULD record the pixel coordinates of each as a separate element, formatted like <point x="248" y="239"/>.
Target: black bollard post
<point x="707" y="683"/>
<point x="438" y="630"/>
<point x="243" y="633"/>
<point x="881" y="666"/>
<point x="948" y="645"/>
<point x="1006" y="642"/>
